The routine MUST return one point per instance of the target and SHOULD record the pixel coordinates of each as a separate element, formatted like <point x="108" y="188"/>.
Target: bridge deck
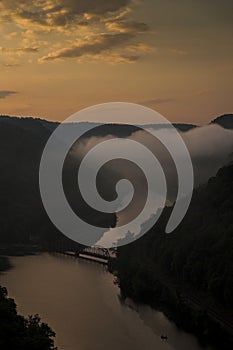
<point x="93" y="258"/>
<point x="84" y="255"/>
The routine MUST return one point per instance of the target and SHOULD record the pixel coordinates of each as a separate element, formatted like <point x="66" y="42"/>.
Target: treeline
<point x="18" y="332"/>
<point x="190" y="270"/>
<point x="23" y="219"/>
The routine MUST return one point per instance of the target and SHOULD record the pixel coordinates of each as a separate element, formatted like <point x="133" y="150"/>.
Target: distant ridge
<point x="225" y="120"/>
<point x="22" y="141"/>
<point x="121" y="130"/>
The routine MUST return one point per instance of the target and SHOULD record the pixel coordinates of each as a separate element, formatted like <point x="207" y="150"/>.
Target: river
<point x="79" y="300"/>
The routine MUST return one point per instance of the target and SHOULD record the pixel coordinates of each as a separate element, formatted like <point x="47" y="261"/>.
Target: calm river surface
<point x="80" y="302"/>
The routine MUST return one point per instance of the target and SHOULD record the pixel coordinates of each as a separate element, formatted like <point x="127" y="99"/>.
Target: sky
<point x="57" y="57"/>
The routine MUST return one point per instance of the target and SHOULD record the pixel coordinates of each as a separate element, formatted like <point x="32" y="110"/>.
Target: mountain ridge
<point x="224" y="120"/>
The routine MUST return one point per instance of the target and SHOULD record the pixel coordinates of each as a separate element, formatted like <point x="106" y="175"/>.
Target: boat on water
<point x="164" y="337"/>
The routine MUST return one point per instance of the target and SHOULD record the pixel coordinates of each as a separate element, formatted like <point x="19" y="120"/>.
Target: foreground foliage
<point x="17" y="332"/>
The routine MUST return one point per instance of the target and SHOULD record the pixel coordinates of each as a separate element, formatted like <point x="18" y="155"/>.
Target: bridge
<point x="95" y="254"/>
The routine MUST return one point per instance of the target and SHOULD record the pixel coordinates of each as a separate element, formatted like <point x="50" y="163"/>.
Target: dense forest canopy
<point x="194" y="263"/>
<point x="195" y="260"/>
<point x="199" y="251"/>
<point x="23" y="218"/>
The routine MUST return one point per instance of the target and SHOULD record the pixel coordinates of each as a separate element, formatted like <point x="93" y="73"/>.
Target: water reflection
<point x="80" y="302"/>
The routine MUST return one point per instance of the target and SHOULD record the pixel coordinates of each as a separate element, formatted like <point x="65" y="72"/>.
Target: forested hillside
<point x="23" y="219"/>
<point x="193" y="266"/>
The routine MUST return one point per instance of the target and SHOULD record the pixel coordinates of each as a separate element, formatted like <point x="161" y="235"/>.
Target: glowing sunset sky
<point x="62" y="55"/>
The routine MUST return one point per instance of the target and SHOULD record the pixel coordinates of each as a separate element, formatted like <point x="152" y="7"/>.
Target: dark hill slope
<point x="23" y="218"/>
<point x="226" y="121"/>
<point x="191" y="269"/>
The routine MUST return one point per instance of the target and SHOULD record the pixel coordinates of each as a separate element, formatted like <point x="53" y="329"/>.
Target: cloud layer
<point x="94" y="45"/>
<point x="158" y="101"/>
<point x="60" y="12"/>
<point x="97" y="28"/>
<point x="6" y="93"/>
<point x="210" y="148"/>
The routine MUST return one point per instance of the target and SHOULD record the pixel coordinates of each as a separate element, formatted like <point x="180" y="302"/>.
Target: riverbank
<point x="79" y="300"/>
<point x="4" y="263"/>
<point x="189" y="272"/>
<point x="179" y="306"/>
<point x="15" y="250"/>
<point x="20" y="249"/>
<point x="16" y="331"/>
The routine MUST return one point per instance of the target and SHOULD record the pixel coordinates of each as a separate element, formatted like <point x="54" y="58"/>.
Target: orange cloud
<point x="95" y="28"/>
